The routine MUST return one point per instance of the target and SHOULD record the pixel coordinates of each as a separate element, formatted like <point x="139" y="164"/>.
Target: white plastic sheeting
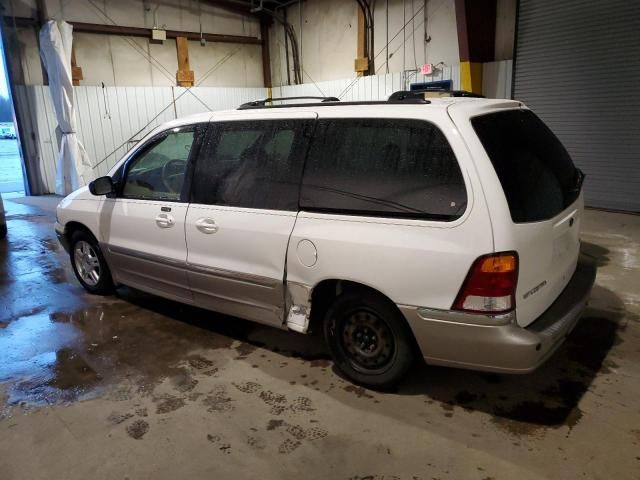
<point x="73" y="169"/>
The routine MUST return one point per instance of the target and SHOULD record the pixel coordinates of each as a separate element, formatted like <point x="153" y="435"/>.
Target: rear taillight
<point x="490" y="285"/>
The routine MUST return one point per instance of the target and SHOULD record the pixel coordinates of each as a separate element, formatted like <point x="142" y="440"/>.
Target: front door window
<point x="158" y="173"/>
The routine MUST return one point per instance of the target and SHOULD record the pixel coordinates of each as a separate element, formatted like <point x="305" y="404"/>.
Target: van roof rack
<point x="418" y="96"/>
<point x="328" y="101"/>
<point x="437" y="91"/>
<point x="263" y="102"/>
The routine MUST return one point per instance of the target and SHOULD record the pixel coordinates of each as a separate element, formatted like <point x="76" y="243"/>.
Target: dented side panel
<point x="298" y="306"/>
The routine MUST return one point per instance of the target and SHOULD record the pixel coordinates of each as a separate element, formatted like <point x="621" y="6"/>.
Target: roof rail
<point x="406" y="94"/>
<point x="262" y="103"/>
<point x="332" y="102"/>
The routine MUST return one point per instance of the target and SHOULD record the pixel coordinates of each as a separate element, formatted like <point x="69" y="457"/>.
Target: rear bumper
<point x="505" y="348"/>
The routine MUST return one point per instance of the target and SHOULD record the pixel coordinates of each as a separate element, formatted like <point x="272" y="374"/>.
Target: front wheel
<point x="369" y="339"/>
<point x="89" y="264"/>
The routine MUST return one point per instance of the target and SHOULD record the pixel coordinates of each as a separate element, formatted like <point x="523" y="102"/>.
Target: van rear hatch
<point x="542" y="188"/>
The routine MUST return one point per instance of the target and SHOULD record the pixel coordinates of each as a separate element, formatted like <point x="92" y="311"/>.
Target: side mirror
<point x="102" y="186"/>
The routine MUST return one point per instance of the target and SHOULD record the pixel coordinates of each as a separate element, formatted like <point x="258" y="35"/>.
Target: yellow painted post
<point x="471" y="76"/>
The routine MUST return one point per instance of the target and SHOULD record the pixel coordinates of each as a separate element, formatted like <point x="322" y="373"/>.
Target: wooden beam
<point x="83" y="27"/>
<point x="361" y="64"/>
<point x="266" y="57"/>
<point x="76" y="71"/>
<point x="184" y="75"/>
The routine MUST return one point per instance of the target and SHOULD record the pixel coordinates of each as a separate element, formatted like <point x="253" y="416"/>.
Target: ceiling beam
<point x="98" y="28"/>
<point x="82" y="27"/>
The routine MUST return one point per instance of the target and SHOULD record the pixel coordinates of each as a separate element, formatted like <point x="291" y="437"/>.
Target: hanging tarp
<point x="73" y="169"/>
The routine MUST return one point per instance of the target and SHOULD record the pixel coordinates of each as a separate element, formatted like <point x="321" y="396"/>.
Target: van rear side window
<point x="535" y="170"/>
<point x="383" y="167"/>
<point x="252" y="164"/>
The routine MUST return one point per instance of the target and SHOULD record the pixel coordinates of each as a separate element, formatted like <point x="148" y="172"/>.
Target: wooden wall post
<point x="266" y="57"/>
<point x="76" y="71"/>
<point x="361" y="64"/>
<point x="184" y="75"/>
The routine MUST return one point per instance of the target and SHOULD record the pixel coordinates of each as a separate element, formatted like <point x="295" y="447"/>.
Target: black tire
<point x="369" y="340"/>
<point x="104" y="284"/>
<point x="3" y="230"/>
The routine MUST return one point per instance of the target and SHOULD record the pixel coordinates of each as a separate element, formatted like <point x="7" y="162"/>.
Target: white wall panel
<point x="373" y="87"/>
<point x="497" y="79"/>
<point x="328" y="37"/>
<point x="110" y="120"/>
<point x="121" y="60"/>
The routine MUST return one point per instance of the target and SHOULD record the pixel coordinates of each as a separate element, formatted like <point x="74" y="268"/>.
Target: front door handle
<point x="206" y="225"/>
<point x="164" y="220"/>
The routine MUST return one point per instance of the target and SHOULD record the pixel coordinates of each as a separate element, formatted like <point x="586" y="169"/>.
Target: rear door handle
<point x="206" y="225"/>
<point x="164" y="220"/>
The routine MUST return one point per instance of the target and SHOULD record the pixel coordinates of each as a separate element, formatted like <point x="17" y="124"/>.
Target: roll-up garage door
<point x="577" y="65"/>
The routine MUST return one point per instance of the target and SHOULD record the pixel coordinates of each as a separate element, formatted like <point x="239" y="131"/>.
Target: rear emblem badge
<point x="534" y="289"/>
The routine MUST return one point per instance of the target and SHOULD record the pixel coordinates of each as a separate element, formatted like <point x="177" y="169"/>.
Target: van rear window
<point x="383" y="167"/>
<point x="535" y="170"/>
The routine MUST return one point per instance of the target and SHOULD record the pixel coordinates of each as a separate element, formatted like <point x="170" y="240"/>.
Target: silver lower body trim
<point x="145" y="256"/>
<point x="192" y="267"/>
<point x="148" y="272"/>
<point x="248" y="296"/>
<point x="435" y="314"/>
<point x="256" y="280"/>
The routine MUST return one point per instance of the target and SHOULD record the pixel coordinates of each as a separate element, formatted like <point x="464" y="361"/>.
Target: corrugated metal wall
<point x="373" y="87"/>
<point x="577" y="65"/>
<point x="111" y="119"/>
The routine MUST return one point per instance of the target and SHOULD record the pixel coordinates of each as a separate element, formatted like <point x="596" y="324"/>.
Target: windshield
<point x="535" y="170"/>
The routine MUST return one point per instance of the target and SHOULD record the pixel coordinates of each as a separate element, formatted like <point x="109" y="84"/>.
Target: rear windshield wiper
<point x="579" y="180"/>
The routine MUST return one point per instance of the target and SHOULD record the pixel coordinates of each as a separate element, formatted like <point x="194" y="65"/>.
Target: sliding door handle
<point x="206" y="225"/>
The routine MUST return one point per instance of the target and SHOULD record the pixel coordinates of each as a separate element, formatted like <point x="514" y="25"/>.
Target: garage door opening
<point x="11" y="173"/>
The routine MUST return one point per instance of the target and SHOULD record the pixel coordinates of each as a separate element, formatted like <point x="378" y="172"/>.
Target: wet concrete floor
<point x="134" y="386"/>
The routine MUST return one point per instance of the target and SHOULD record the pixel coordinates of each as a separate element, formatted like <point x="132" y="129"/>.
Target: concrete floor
<point x="135" y="387"/>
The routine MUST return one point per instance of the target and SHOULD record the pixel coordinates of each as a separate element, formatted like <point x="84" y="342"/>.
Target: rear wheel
<point x="89" y="264"/>
<point x="369" y="339"/>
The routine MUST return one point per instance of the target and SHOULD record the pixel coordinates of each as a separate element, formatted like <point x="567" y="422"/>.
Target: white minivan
<point x="446" y="228"/>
